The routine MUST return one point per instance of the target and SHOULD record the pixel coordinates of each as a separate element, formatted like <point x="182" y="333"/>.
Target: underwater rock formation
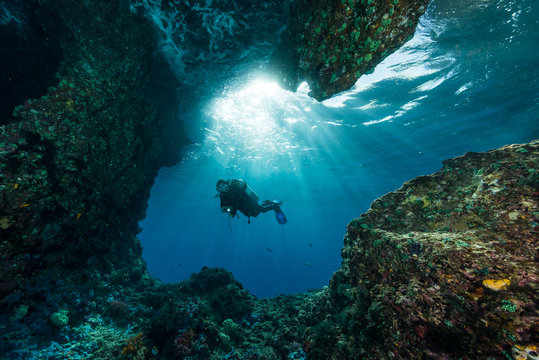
<point x="210" y="42"/>
<point x="76" y="164"/>
<point x="444" y="267"/>
<point x="330" y="44"/>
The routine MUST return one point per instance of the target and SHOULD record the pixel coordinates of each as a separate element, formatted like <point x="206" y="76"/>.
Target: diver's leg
<point x="265" y="209"/>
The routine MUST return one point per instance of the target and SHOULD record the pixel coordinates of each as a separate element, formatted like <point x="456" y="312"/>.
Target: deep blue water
<point x="467" y="81"/>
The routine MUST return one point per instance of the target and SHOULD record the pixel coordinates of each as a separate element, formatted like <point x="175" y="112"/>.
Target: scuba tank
<point x="248" y="191"/>
<point x="251" y="193"/>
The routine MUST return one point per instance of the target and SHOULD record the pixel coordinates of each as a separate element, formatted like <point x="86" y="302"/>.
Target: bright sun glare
<point x="254" y="121"/>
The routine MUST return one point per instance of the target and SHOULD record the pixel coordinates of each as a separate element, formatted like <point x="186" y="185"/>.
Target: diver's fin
<point x="280" y="216"/>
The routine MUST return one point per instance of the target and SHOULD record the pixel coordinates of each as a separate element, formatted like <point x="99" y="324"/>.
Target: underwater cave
<point x="373" y="122"/>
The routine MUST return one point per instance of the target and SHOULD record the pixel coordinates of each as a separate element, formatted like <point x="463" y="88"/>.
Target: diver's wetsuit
<point x="235" y="198"/>
<point x="236" y="195"/>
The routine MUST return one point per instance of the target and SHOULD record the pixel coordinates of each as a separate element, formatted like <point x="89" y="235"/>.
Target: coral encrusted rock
<point x="77" y="164"/>
<point x="330" y="44"/>
<point x="444" y="267"/>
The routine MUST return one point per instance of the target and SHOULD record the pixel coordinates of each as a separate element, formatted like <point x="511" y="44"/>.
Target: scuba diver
<point x="236" y="195"/>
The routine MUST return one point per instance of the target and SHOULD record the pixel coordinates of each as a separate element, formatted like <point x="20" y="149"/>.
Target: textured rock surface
<point x="77" y="165"/>
<point x="210" y="42"/>
<point x="330" y="44"/>
<point x="444" y="267"/>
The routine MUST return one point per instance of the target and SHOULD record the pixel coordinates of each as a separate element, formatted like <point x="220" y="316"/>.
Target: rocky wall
<point x="77" y="163"/>
<point x="445" y="267"/>
<point x="331" y="43"/>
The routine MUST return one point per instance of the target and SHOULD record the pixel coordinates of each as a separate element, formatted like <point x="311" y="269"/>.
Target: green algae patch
<point x="60" y="318"/>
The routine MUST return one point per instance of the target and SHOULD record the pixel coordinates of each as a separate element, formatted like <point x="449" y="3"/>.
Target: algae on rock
<point x="446" y="266"/>
<point x="330" y="44"/>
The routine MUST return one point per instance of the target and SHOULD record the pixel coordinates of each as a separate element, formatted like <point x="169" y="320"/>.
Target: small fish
<point x="307" y="264"/>
<point x="311" y="245"/>
<point x="268" y="249"/>
<point x="179" y="264"/>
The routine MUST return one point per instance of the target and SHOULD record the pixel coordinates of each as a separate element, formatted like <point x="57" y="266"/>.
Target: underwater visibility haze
<point x="401" y="136"/>
<point x="466" y="81"/>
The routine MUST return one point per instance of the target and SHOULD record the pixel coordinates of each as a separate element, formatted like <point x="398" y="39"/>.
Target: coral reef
<point x="330" y="44"/>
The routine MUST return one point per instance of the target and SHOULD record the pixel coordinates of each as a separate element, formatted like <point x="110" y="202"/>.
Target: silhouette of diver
<point x="236" y="195"/>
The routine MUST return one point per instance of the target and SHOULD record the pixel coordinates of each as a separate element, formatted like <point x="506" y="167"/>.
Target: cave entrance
<point x="283" y="145"/>
<point x="327" y="161"/>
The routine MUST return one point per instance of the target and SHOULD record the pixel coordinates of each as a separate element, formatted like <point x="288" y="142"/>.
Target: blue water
<point x="467" y="81"/>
